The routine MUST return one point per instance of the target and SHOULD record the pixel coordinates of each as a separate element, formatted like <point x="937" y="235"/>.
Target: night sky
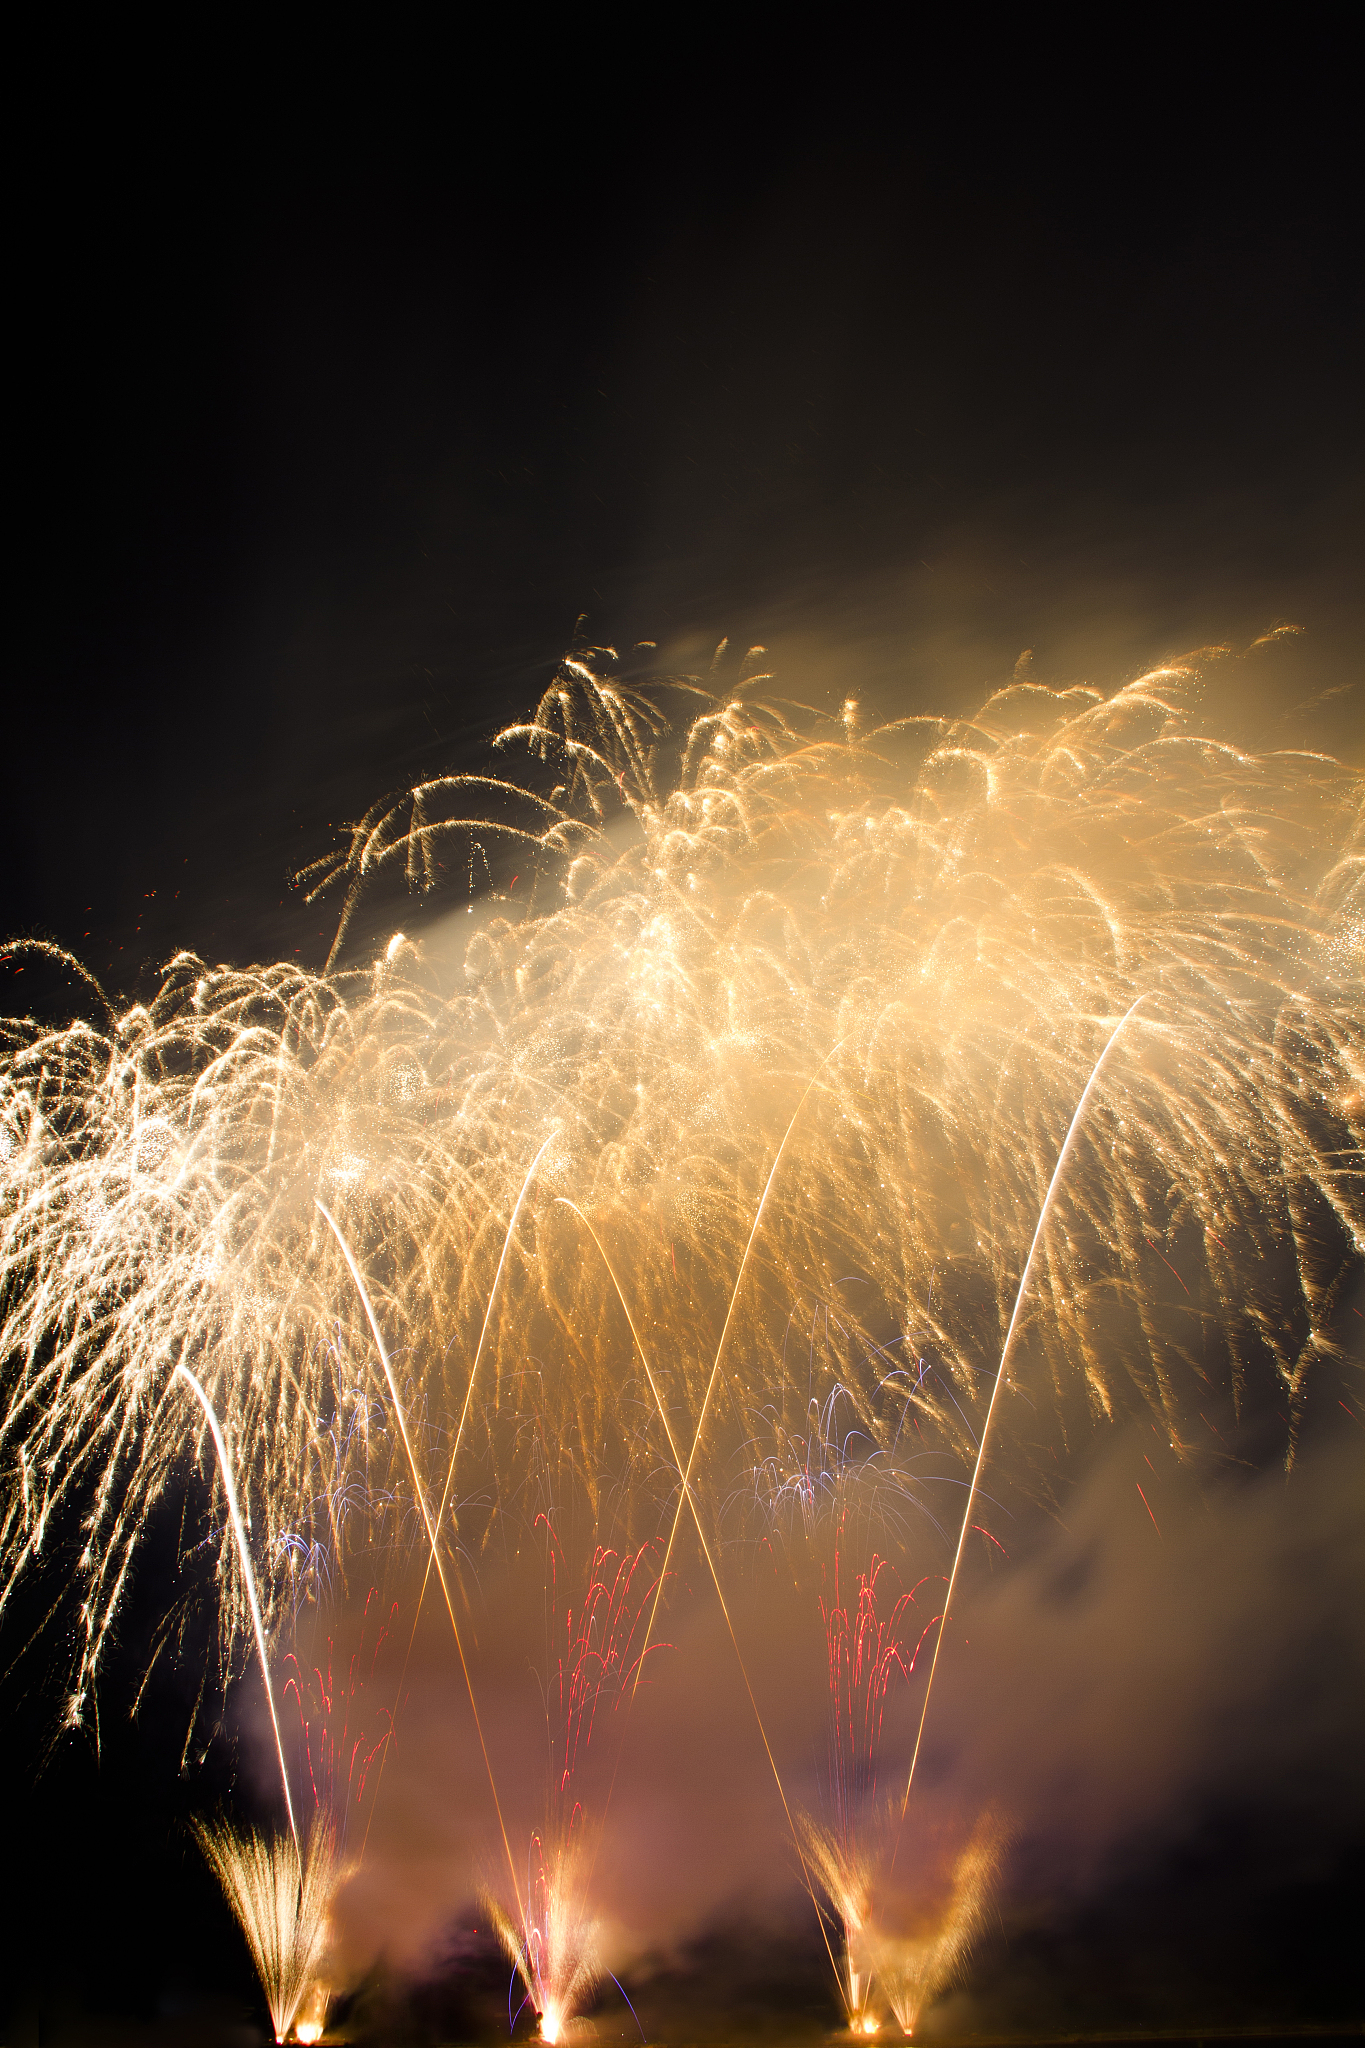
<point x="345" y="384"/>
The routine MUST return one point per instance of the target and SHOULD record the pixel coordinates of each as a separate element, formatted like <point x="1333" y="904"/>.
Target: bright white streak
<point x="239" y="1531"/>
<point x="1057" y="1172"/>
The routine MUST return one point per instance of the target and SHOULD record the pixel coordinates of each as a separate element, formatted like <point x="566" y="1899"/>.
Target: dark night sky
<point x="332" y="420"/>
<point x="337" y="394"/>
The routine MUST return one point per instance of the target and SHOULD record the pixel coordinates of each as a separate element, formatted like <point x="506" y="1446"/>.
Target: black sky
<point x="334" y="409"/>
<point x="342" y="383"/>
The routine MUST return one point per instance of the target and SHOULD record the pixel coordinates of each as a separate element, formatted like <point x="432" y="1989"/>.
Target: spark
<point x="433" y="1547"/>
<point x="182" y="1371"/>
<point x="916" y="932"/>
<point x="280" y="1895"/>
<point x="1001" y="1369"/>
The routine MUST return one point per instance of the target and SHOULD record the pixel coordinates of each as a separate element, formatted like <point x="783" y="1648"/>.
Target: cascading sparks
<point x="802" y="1002"/>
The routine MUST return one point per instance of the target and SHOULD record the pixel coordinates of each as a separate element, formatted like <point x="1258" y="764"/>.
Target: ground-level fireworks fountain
<point x="837" y="1114"/>
<point x="279" y="1892"/>
<point x="597" y="1653"/>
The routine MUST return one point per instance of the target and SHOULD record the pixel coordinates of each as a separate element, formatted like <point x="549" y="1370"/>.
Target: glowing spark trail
<point x="1000" y="1371"/>
<point x="554" y="1948"/>
<point x="865" y="1653"/>
<point x="420" y="1493"/>
<point x="182" y="1371"/>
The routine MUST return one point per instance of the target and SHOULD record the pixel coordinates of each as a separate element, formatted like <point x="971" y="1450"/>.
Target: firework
<point x="550" y="1934"/>
<point x="248" y="1577"/>
<point x="912" y="1968"/>
<point x="866" y="1651"/>
<point x="831" y="1106"/>
<point x="280" y="1895"/>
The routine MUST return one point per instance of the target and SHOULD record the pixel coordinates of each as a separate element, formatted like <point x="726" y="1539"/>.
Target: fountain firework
<point x="792" y="1015"/>
<point x="280" y="1889"/>
<point x="866" y="1650"/>
<point x="550" y="1934"/>
<point x="280" y="1895"/>
<point x="912" y="1967"/>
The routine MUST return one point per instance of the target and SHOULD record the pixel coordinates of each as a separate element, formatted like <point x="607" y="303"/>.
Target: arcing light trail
<point x="455" y="1448"/>
<point x="487" y="1318"/>
<point x="999" y="1382"/>
<point x="925" y="925"/>
<point x="182" y="1371"/>
<point x="419" y="1492"/>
